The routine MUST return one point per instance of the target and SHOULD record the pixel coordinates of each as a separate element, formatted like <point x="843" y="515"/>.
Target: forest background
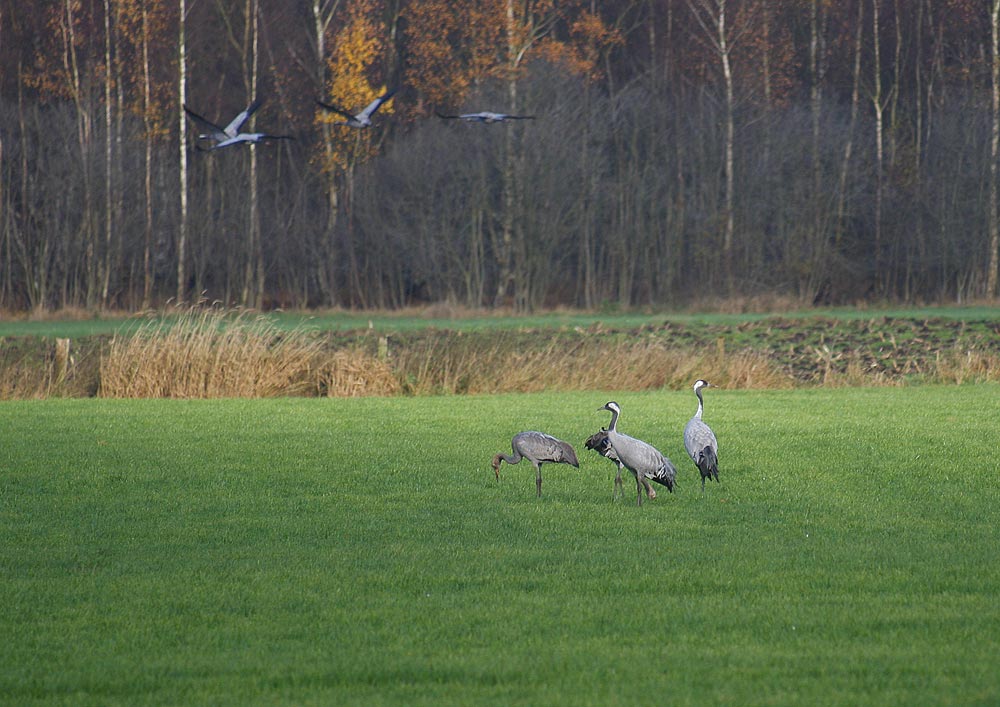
<point x="821" y="151"/>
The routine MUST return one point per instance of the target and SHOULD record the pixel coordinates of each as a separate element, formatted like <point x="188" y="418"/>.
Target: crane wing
<point x="237" y="122"/>
<point x="376" y="104"/>
<point x="543" y="447"/>
<point x="215" y="132"/>
<point x="335" y="109"/>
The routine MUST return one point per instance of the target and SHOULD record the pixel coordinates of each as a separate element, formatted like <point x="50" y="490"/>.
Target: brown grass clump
<point x="968" y="366"/>
<point x="208" y="352"/>
<point x="351" y="374"/>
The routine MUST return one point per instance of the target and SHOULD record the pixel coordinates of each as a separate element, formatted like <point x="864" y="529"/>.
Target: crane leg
<point x="650" y="491"/>
<point x="638" y="485"/>
<point x="618" y="485"/>
<point x="538" y="479"/>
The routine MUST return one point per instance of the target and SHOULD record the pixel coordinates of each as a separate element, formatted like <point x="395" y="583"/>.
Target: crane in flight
<point x="230" y="134"/>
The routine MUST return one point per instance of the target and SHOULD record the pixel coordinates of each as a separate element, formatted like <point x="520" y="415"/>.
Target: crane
<point x="641" y="458"/>
<point x="537" y="448"/>
<point x="700" y="442"/>
<point x="486" y="117"/>
<point x="362" y="119"/>
<point x="231" y="135"/>
<point x="601" y="444"/>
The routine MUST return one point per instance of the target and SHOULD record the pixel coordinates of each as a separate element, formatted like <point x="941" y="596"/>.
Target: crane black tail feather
<point x="709" y="464"/>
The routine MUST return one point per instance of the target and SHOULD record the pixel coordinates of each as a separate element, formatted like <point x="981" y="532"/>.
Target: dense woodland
<point x="826" y="151"/>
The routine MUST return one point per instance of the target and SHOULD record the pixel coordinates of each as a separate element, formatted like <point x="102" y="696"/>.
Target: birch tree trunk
<point x="253" y="273"/>
<point x="879" y="108"/>
<point x="994" y="222"/>
<point x="108" y="157"/>
<point x="727" y="75"/>
<point x="322" y="14"/>
<point x="711" y="16"/>
<point x="506" y="277"/>
<point x="845" y="161"/>
<point x="182" y="127"/>
<point x="147" y="239"/>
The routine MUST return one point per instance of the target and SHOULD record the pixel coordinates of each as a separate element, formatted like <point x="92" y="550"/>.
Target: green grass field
<point x="387" y="322"/>
<point x="359" y="552"/>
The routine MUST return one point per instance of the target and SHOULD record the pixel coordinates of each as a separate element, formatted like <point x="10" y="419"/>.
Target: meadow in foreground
<point x="319" y="552"/>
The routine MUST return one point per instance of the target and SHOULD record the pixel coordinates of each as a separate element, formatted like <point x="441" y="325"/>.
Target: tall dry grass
<point x="447" y="366"/>
<point x="210" y="352"/>
<point x="207" y="352"/>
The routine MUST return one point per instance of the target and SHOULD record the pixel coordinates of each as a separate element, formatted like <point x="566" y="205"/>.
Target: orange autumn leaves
<point x="454" y="46"/>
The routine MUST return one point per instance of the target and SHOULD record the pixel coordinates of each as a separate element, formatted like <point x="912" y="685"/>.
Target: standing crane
<point x="601" y="444"/>
<point x="537" y="448"/>
<point x="700" y="442"/>
<point x="641" y="458"/>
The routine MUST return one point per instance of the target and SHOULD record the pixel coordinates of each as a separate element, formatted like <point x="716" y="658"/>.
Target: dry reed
<point x="353" y="373"/>
<point x="447" y="367"/>
<point x="208" y="352"/>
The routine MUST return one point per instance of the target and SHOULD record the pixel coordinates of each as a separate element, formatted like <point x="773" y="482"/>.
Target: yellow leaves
<point x="357" y="52"/>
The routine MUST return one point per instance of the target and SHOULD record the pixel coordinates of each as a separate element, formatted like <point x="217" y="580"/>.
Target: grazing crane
<point x="536" y="447"/>
<point x="601" y="443"/>
<point x="231" y="135"/>
<point x="700" y="442"/>
<point x="486" y="117"/>
<point x="641" y="458"/>
<point x="362" y="119"/>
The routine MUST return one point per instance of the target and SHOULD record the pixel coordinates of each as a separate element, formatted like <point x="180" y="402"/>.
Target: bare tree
<point x="182" y="234"/>
<point x="711" y="16"/>
<point x="879" y="99"/>
<point x="992" y="218"/>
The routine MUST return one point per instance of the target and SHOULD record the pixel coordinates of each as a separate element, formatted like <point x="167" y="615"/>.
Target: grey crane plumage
<point x="362" y="119"/>
<point x="641" y="458"/>
<point x="601" y="443"/>
<point x="700" y="442"/>
<point x="537" y="448"/>
<point x="230" y="134"/>
<point x="486" y="117"/>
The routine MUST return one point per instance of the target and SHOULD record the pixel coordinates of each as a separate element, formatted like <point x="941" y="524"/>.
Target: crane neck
<point x="701" y="404"/>
<point x="613" y="426"/>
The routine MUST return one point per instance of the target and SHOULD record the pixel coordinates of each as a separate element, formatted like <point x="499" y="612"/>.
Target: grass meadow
<point x="359" y="552"/>
<point x="455" y="319"/>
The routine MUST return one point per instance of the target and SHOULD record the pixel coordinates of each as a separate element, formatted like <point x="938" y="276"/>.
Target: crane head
<point x="700" y="383"/>
<point x="612" y="406"/>
<point x="496" y="465"/>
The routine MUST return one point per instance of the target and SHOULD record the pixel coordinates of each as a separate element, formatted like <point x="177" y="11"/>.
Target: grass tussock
<point x="208" y="352"/>
<point x="353" y="373"/>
